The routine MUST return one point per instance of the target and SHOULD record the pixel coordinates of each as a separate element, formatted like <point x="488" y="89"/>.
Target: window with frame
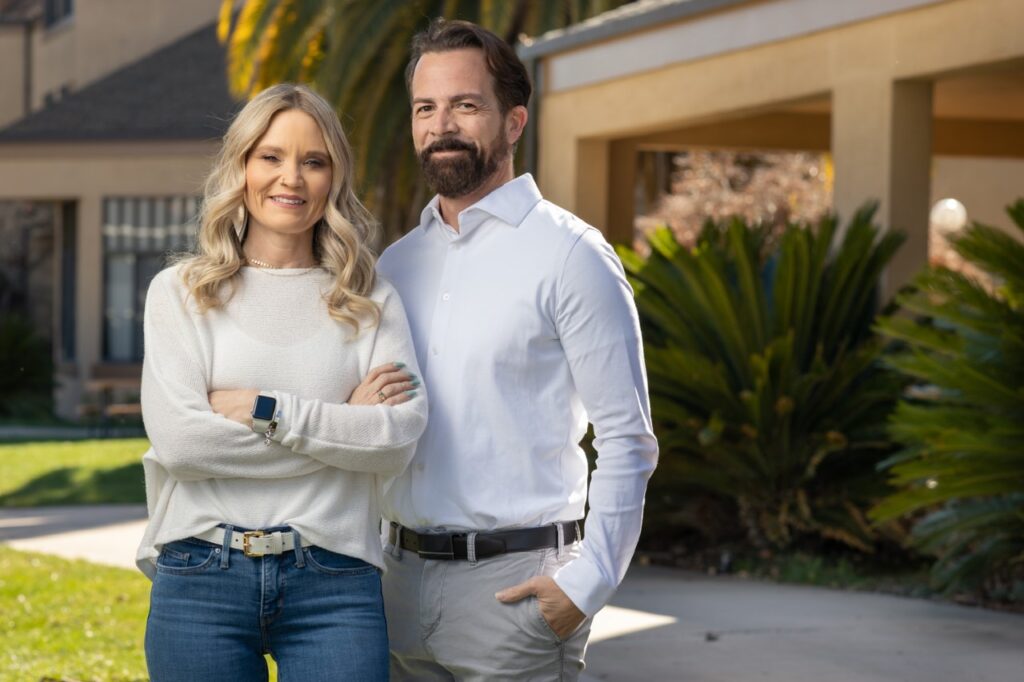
<point x="56" y="11"/>
<point x="139" y="233"/>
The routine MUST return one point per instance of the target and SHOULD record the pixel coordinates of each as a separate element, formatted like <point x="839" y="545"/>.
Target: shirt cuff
<point x="583" y="582"/>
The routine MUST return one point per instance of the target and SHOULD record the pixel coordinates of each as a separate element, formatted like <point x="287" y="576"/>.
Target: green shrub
<point x="26" y="369"/>
<point x="963" y="424"/>
<point x="765" y="380"/>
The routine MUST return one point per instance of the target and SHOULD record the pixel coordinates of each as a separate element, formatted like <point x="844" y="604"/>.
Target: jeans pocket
<point x="182" y="557"/>
<point x="331" y="563"/>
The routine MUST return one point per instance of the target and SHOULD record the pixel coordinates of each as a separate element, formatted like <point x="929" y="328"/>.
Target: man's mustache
<point x="447" y="144"/>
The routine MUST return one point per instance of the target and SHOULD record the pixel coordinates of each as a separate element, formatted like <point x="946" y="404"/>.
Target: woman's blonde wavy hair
<point x="341" y="237"/>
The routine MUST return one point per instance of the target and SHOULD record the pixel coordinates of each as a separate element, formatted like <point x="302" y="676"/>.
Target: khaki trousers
<point x="445" y="624"/>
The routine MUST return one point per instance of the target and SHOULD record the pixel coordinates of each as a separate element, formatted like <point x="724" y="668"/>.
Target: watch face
<point x="264" y="408"/>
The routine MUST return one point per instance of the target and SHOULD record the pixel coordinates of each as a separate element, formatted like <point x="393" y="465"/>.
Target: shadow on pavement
<point x="33" y="522"/>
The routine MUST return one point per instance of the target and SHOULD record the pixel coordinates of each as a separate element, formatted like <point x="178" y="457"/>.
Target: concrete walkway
<point x="39" y="433"/>
<point x="667" y="625"/>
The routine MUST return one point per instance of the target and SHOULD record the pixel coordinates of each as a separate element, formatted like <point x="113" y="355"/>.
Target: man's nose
<point x="444" y="122"/>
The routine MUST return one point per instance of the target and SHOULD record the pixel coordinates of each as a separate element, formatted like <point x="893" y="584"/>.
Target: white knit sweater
<point x="324" y="472"/>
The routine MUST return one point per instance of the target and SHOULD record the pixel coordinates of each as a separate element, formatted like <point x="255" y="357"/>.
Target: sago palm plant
<point x="963" y="424"/>
<point x="764" y="372"/>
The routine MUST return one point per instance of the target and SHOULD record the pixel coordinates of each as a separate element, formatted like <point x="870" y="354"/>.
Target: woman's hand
<point x="389" y="384"/>
<point x="235" y="404"/>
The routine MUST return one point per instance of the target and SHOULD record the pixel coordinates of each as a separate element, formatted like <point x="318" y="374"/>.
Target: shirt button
<point x="446" y="296"/>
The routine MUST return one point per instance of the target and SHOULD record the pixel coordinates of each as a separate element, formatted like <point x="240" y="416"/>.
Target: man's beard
<point x="457" y="175"/>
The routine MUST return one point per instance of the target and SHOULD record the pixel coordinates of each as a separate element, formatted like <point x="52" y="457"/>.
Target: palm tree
<point x="354" y="53"/>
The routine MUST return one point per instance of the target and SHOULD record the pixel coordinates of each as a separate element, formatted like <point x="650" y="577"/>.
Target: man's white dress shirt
<point x="525" y="329"/>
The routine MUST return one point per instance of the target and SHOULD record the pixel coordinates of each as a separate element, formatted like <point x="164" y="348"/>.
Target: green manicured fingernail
<point x="411" y="394"/>
<point x="399" y="365"/>
<point x="415" y="382"/>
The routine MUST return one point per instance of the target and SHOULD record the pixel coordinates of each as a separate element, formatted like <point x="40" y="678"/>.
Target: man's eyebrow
<point x="454" y="98"/>
<point x="466" y="95"/>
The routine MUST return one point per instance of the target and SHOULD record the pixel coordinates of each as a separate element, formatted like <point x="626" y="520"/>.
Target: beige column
<point x="89" y="294"/>
<point x="67" y="391"/>
<point x="591" y="196"/>
<point x="622" y="192"/>
<point x="881" y="146"/>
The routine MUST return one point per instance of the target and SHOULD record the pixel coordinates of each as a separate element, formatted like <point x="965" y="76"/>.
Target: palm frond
<point x="963" y="465"/>
<point x="756" y="406"/>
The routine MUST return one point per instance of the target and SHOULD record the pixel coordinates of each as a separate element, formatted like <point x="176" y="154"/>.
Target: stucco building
<point x="114" y="129"/>
<point x="915" y="100"/>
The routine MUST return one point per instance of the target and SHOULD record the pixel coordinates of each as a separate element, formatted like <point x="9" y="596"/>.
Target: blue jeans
<point x="214" y="613"/>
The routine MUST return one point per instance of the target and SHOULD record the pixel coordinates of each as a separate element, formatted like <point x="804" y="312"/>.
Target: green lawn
<point x="70" y="620"/>
<point x="72" y="472"/>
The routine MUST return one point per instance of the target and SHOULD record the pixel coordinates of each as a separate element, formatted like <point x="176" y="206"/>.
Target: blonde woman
<point x="279" y="393"/>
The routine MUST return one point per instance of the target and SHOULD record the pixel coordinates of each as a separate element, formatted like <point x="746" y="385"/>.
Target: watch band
<point x="265" y="415"/>
<point x="271" y="428"/>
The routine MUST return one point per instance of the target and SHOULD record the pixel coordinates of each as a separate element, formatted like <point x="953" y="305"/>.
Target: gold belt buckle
<point x="247" y="542"/>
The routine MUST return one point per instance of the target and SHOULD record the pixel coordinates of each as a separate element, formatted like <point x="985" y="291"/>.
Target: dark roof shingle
<point x="176" y="93"/>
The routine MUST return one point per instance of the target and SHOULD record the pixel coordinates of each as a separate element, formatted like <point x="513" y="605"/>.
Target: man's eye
<point x="466" y="106"/>
<point x="423" y="110"/>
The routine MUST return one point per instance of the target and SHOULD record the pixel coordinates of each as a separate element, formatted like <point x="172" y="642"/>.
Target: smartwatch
<point x="265" y="415"/>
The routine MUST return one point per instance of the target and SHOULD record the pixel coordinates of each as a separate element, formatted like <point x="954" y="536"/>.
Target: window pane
<point x="138" y="233"/>
<point x="148" y="267"/>
<point x="119" y="315"/>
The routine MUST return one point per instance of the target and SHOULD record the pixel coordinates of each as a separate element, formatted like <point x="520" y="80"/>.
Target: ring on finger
<point x="380" y="394"/>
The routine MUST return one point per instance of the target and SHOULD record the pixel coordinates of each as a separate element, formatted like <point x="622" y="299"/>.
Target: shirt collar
<point x="510" y="203"/>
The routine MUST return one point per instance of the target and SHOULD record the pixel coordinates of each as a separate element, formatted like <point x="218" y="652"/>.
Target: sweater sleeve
<point x="189" y="439"/>
<point x="378" y="439"/>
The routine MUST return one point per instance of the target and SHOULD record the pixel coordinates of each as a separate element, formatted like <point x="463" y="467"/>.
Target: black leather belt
<point x="448" y="546"/>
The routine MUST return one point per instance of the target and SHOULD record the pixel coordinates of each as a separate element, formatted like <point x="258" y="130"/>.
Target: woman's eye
<point x="269" y="157"/>
<point x="315" y="163"/>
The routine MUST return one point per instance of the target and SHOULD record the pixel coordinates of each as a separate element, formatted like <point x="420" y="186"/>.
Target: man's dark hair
<point x="511" y="82"/>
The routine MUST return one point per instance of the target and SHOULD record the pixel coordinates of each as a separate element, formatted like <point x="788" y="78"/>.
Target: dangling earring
<point x="241" y="223"/>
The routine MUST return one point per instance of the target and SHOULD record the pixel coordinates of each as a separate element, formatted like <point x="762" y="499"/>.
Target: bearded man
<point x="525" y="330"/>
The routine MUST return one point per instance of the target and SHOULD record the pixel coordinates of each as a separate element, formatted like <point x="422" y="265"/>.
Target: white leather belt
<point x="255" y="543"/>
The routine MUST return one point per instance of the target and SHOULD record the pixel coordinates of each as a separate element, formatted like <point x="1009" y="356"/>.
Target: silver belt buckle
<point x="247" y="543"/>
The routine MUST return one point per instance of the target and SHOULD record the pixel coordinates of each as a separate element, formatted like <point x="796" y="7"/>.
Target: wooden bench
<point x="117" y="392"/>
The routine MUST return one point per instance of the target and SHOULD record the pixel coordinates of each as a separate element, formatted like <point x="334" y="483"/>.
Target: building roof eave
<point x="626" y="19"/>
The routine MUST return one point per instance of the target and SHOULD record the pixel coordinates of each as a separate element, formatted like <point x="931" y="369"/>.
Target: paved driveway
<point x="732" y="630"/>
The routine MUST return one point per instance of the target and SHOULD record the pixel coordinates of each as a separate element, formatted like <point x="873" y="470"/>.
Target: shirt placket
<point x="439" y="345"/>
